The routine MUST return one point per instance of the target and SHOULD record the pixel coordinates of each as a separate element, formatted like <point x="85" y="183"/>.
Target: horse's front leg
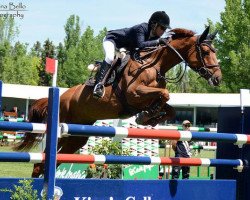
<point x="156" y="98"/>
<point x="166" y="113"/>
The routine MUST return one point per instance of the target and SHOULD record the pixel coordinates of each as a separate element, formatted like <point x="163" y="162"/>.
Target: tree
<point x="77" y="52"/>
<point x="20" y="67"/>
<point x="22" y="191"/>
<point x="68" y="55"/>
<point x="61" y="56"/>
<point x="8" y="31"/>
<point x="234" y="45"/>
<point x="73" y="32"/>
<point x="89" y="47"/>
<point x="47" y="51"/>
<point x="5" y="50"/>
<point x="36" y="50"/>
<point x="16" y="65"/>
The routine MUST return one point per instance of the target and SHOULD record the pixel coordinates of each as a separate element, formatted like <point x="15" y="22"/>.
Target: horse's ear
<point x="204" y="35"/>
<point x="212" y="35"/>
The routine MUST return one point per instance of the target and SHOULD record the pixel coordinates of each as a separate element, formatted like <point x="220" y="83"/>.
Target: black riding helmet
<point x="161" y="18"/>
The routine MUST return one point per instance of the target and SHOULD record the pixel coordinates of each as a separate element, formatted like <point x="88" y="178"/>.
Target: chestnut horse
<point x="140" y="89"/>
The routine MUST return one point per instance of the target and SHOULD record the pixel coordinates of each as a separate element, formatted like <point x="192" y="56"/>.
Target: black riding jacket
<point x="137" y="36"/>
<point x="182" y="149"/>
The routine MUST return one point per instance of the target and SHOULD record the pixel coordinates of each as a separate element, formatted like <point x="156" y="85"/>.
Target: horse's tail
<point x="38" y="113"/>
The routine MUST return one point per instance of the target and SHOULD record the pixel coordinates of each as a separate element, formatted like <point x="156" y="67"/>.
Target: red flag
<point x="50" y="65"/>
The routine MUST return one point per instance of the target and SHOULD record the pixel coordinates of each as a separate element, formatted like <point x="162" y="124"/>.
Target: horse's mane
<point x="181" y="33"/>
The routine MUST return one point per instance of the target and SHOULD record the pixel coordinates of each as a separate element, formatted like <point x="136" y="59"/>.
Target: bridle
<point x="203" y="71"/>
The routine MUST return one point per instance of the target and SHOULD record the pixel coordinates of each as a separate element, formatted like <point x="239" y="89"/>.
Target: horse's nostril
<point x="216" y="80"/>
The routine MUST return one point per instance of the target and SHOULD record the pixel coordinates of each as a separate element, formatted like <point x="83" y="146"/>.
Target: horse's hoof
<point x="142" y="118"/>
<point x="138" y="120"/>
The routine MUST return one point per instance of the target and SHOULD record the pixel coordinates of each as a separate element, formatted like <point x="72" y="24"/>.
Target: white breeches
<point x="109" y="49"/>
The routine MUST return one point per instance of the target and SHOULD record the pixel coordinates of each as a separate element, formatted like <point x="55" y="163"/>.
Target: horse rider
<point x="139" y="36"/>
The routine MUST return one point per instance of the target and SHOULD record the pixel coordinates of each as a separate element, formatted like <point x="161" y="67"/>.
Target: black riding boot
<point x="99" y="88"/>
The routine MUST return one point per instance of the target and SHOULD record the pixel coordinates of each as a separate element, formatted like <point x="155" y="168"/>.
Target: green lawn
<point x="204" y="171"/>
<point x="17" y="169"/>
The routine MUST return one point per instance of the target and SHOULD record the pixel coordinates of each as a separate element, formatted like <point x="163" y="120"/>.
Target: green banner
<point x="71" y="170"/>
<point x="141" y="172"/>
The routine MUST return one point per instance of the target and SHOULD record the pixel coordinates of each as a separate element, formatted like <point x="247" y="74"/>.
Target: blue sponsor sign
<point x="95" y="189"/>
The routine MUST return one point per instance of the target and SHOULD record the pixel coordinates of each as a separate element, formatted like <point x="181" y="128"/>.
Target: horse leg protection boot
<point x="99" y="88"/>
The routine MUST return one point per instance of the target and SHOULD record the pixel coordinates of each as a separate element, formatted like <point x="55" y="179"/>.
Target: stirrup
<point x="97" y="87"/>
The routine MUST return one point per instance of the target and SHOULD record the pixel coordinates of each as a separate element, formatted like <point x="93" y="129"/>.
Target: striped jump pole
<point x="195" y="147"/>
<point x="12" y="119"/>
<point x="192" y="128"/>
<point x="113" y="159"/>
<point x="23" y="126"/>
<point x="13" y="137"/>
<point x="213" y="148"/>
<point x="121" y="132"/>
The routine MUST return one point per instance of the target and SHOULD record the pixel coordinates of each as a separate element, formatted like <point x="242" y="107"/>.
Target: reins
<point x="202" y="71"/>
<point x="141" y="58"/>
<point x="179" y="75"/>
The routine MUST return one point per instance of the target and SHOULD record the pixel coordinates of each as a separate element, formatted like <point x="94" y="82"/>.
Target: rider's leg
<point x="109" y="49"/>
<point x="99" y="87"/>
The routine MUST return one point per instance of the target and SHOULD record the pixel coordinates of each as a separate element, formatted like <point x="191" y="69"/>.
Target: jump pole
<point x="51" y="143"/>
<point x="120" y="132"/>
<point x="114" y="159"/>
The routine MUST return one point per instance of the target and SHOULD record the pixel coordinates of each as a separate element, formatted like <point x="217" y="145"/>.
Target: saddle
<point x="114" y="74"/>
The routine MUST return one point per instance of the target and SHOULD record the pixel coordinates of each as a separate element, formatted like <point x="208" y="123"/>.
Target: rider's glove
<point x="163" y="41"/>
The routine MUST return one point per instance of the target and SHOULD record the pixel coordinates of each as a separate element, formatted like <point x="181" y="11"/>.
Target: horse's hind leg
<point x="37" y="170"/>
<point x="70" y="145"/>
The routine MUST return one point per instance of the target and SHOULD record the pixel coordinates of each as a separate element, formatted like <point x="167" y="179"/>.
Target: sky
<point x="40" y="20"/>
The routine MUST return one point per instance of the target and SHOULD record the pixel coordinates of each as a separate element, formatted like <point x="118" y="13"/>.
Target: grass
<point x="17" y="169"/>
<point x="193" y="170"/>
<point x="24" y="170"/>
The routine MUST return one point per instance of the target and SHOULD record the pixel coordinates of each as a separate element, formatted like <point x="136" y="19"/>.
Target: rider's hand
<point x="163" y="41"/>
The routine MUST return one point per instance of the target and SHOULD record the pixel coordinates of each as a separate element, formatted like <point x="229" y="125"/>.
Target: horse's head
<point x="203" y="59"/>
